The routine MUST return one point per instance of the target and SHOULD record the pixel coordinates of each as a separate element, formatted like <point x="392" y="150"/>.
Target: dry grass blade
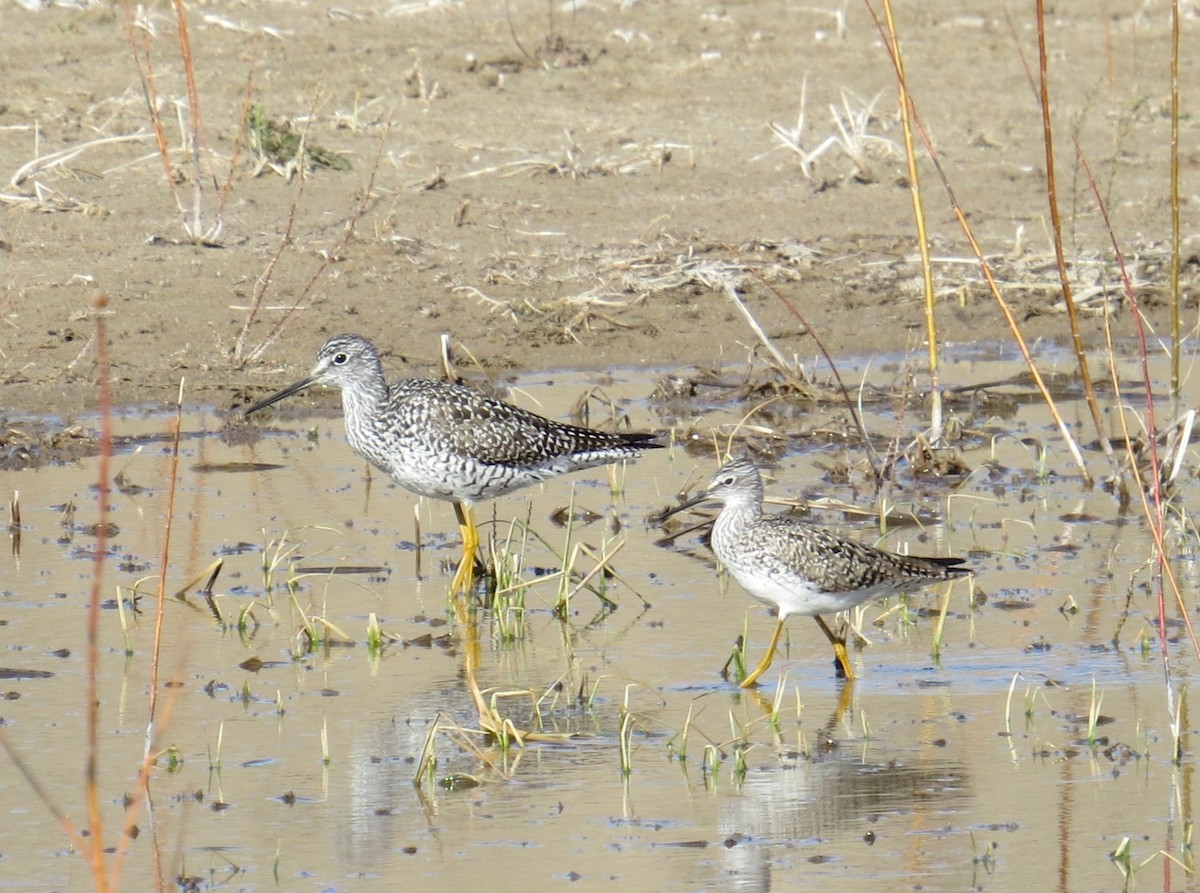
<point x="793" y="138"/>
<point x="573" y="162"/>
<point x="753" y="323"/>
<point x="63" y="156"/>
<point x="1177" y="447"/>
<point x="427" y="761"/>
<point x="14" y="523"/>
<point x="853" y="138"/>
<point x="851" y="407"/>
<point x="601" y="565"/>
<point x="209" y="575"/>
<point x="490" y="721"/>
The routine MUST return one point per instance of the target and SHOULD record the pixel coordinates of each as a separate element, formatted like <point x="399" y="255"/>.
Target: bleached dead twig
<point x="61" y="157"/>
<point x="758" y="330"/>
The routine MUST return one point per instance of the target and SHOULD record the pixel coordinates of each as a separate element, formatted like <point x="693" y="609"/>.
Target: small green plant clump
<point x="277" y="144"/>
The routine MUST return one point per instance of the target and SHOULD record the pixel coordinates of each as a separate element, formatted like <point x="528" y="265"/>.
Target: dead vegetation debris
<point x="34" y="444"/>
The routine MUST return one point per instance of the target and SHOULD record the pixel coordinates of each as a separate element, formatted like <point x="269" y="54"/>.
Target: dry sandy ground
<point x="571" y="185"/>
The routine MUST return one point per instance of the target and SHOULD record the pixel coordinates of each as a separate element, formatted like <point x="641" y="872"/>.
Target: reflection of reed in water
<point x="805" y="802"/>
<point x="380" y="812"/>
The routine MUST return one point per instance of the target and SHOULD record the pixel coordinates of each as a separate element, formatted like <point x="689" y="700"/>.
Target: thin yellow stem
<point x="1056" y="233"/>
<point x="985" y="269"/>
<point x="914" y="185"/>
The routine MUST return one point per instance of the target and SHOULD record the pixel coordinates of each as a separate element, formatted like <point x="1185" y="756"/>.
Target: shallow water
<point x="906" y="779"/>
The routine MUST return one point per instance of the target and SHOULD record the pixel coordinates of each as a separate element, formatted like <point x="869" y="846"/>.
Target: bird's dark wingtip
<point x="955" y="567"/>
<point x="642" y="441"/>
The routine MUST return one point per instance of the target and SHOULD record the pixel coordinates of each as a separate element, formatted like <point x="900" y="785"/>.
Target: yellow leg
<point x="464" y="577"/>
<point x="470" y="664"/>
<point x="844" y="704"/>
<point x="845" y="699"/>
<point x="839" y="648"/>
<point x="767" y="658"/>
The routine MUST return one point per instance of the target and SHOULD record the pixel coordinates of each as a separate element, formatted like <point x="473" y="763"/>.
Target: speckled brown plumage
<point x="801" y="568"/>
<point x="448" y="441"/>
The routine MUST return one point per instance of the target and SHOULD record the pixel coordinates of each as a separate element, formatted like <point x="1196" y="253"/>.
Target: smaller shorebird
<point x="800" y="568"/>
<point x="448" y="441"/>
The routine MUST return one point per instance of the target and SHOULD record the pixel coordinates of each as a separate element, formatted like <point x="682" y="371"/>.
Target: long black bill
<point x="674" y="510"/>
<point x="275" y="398"/>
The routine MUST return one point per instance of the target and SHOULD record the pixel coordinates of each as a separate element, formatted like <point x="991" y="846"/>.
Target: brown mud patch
<point x="572" y="189"/>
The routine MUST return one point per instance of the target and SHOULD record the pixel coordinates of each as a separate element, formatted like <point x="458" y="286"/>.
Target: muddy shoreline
<point x="578" y="193"/>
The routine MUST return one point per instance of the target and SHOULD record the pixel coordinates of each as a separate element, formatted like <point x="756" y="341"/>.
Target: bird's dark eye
<point x="340" y="359"/>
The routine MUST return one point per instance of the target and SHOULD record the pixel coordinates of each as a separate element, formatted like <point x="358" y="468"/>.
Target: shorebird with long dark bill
<point x="449" y="441"/>
<point x="800" y="568"/>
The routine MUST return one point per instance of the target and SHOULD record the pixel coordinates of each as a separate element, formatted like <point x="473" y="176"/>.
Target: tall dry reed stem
<point x="1176" y="335"/>
<point x="145" y="69"/>
<point x="196" y="136"/>
<point x="1056" y="233"/>
<point x="195" y="144"/>
<point x="154" y="715"/>
<point x="164" y="558"/>
<point x="914" y="184"/>
<point x="91" y="843"/>
<point x="986" y="269"/>
<point x="1155" y="514"/>
<point x="92" y="704"/>
<point x="101" y="877"/>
